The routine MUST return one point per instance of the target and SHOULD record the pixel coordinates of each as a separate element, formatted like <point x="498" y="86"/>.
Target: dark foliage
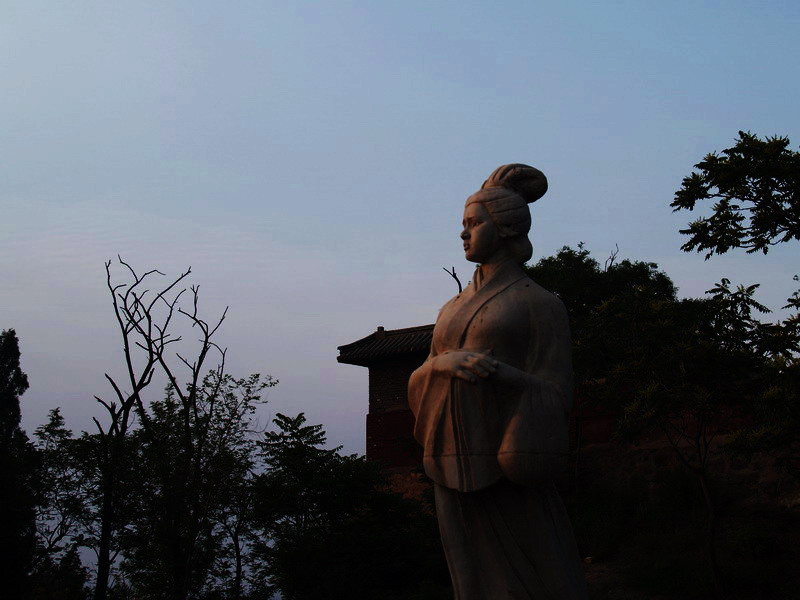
<point x="63" y="486"/>
<point x="61" y="577"/>
<point x="755" y="189"/>
<point x="689" y="372"/>
<point x="577" y="278"/>
<point x="333" y="529"/>
<point x="187" y="467"/>
<point x="13" y="383"/>
<point x="774" y="429"/>
<point x="18" y="466"/>
<point x="756" y="186"/>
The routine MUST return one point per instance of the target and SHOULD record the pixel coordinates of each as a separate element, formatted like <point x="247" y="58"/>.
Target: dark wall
<point x="390" y="424"/>
<point x="388" y="382"/>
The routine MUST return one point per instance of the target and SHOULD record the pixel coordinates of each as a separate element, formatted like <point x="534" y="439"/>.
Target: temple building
<point x="391" y="356"/>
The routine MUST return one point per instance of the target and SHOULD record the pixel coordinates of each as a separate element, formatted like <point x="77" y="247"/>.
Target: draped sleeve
<point x="535" y="442"/>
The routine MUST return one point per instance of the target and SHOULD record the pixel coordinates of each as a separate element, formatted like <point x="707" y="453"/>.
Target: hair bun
<point x="529" y="182"/>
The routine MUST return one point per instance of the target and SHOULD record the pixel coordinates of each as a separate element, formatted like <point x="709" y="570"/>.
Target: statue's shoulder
<point x="537" y="296"/>
<point x="453" y="304"/>
<point x="454" y="300"/>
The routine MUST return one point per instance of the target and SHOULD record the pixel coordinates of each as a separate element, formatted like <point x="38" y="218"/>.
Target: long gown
<point x="491" y="449"/>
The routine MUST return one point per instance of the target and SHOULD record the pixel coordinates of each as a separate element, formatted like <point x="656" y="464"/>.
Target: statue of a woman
<point x="491" y="404"/>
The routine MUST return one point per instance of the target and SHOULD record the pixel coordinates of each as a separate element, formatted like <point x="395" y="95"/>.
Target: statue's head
<point x="497" y="218"/>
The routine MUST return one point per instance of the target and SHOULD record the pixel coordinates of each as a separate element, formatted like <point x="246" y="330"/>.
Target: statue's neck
<point x="485" y="272"/>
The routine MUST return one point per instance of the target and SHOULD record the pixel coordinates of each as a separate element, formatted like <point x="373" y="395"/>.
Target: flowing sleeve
<point x="427" y="395"/>
<point x="419" y="380"/>
<point x="535" y="443"/>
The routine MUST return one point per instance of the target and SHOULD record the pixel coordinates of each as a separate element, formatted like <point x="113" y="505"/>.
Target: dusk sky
<point x="310" y="160"/>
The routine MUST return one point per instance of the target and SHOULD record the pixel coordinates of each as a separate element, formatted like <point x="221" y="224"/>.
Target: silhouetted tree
<point x="13" y="383"/>
<point x="755" y="186"/>
<point x="191" y="462"/>
<point x="63" y="487"/>
<point x="17" y="471"/>
<point x="330" y="528"/>
<point x="144" y="329"/>
<point x="679" y="367"/>
<point x="145" y="321"/>
<point x="774" y="411"/>
<point x="61" y="577"/>
<point x="577" y="278"/>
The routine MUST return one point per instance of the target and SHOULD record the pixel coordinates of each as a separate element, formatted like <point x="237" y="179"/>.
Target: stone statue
<point x="491" y="405"/>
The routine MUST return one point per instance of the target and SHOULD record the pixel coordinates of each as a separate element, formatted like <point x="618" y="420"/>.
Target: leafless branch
<point x="452" y="273"/>
<point x="109" y="407"/>
<point x="613" y="257"/>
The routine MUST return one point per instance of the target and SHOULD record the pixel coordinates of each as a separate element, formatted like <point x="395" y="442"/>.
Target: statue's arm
<point x="550" y="348"/>
<point x="514" y="377"/>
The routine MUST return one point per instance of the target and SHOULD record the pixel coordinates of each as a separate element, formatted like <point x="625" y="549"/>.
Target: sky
<point x="310" y="160"/>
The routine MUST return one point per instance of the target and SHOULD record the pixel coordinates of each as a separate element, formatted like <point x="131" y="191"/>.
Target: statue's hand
<point x="465" y="365"/>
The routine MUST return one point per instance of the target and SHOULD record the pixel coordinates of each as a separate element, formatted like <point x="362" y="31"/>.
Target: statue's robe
<point x="492" y="448"/>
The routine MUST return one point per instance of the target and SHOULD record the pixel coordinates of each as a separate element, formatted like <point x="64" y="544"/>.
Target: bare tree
<point x="612" y="258"/>
<point x="144" y="319"/>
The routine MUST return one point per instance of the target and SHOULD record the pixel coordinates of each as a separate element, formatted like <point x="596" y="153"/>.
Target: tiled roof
<point x="385" y="343"/>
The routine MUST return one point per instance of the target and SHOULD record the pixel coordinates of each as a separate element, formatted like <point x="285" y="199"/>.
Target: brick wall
<point x="390" y="440"/>
<point x="390" y="424"/>
<point x="388" y="382"/>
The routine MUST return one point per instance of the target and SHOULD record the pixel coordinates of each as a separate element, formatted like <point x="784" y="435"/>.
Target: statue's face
<point x="480" y="235"/>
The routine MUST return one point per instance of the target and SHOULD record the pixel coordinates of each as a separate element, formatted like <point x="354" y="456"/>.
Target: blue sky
<point x="310" y="161"/>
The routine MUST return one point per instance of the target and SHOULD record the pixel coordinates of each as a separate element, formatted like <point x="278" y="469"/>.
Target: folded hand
<point x="466" y="365"/>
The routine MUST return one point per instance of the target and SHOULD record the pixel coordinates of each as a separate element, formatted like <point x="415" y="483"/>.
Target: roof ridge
<point x="384" y="343"/>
